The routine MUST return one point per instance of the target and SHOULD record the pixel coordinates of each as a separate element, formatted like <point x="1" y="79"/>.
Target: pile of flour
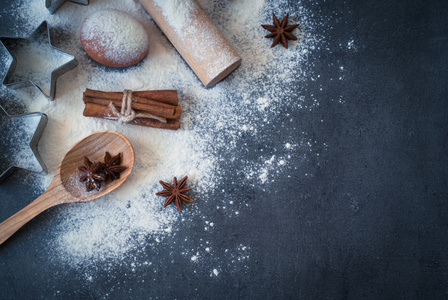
<point x="214" y="121"/>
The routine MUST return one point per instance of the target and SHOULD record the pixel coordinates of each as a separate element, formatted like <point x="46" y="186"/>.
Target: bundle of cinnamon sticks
<point x="161" y="103"/>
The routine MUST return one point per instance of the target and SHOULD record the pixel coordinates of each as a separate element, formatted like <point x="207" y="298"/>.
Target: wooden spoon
<point x="65" y="187"/>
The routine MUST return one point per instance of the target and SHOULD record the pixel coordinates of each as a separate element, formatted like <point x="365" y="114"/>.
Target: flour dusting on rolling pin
<point x="196" y="37"/>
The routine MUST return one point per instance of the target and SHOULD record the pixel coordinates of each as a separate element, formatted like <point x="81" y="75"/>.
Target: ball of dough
<point x="114" y="38"/>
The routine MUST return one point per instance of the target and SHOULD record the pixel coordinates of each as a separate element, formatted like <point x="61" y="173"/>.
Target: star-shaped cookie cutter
<point x="13" y="42"/>
<point x="53" y="5"/>
<point x="19" y="137"/>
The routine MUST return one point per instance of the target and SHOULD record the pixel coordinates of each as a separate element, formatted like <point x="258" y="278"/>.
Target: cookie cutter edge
<point x="55" y="74"/>
<point x="33" y="142"/>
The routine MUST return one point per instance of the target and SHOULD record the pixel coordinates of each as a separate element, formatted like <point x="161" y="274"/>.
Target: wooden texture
<point x="104" y="112"/>
<point x="65" y="186"/>
<point x="162" y="110"/>
<point x="207" y="63"/>
<point x="165" y="96"/>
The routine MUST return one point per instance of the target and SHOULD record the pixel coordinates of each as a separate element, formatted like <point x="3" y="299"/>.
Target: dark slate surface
<point x="371" y="223"/>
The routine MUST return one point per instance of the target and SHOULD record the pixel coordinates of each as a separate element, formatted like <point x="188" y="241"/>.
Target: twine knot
<point x="127" y="114"/>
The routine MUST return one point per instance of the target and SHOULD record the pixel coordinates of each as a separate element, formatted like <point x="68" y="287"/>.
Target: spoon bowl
<point x="65" y="186"/>
<point x="94" y="147"/>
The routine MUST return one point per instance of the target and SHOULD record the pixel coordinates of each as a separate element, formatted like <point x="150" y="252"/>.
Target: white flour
<point x="35" y="64"/>
<point x="115" y="35"/>
<point x="228" y="118"/>
<point x="17" y="133"/>
<point x="206" y="48"/>
<point x="176" y="12"/>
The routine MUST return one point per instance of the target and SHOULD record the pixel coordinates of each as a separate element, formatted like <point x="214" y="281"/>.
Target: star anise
<point x="92" y="174"/>
<point x="112" y="166"/>
<point x="281" y="32"/>
<point x="175" y="193"/>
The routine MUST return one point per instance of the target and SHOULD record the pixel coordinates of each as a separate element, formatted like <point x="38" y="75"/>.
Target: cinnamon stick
<point x="164" y="96"/>
<point x="159" y="96"/>
<point x="177" y="113"/>
<point x="104" y="112"/>
<point x="162" y="110"/>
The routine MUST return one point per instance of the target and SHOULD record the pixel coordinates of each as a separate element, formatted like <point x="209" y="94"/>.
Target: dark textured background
<point x="370" y="224"/>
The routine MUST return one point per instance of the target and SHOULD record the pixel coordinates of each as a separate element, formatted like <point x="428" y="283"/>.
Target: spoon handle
<point x="48" y="199"/>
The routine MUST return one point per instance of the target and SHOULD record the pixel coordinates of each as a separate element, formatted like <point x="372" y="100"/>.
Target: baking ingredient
<point x="16" y="134"/>
<point x="175" y="193"/>
<point x="91" y="175"/>
<point x="127" y="114"/>
<point x="114" y="38"/>
<point x="146" y="97"/>
<point x="143" y="104"/>
<point x="104" y="112"/>
<point x="63" y="188"/>
<point x="281" y="31"/>
<point x="177" y="12"/>
<point x="112" y="166"/>
<point x="146" y="108"/>
<point x="97" y="173"/>
<point x="267" y="93"/>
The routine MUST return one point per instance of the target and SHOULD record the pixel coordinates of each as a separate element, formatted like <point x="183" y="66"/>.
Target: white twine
<point x="127" y="114"/>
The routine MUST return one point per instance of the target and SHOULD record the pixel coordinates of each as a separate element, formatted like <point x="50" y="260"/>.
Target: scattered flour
<point x="177" y="12"/>
<point x="35" y="62"/>
<point x="115" y="37"/>
<point x="225" y="119"/>
<point x="263" y="103"/>
<point x="16" y="135"/>
<point x="199" y="40"/>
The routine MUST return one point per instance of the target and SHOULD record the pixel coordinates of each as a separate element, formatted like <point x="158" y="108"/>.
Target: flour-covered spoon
<point x="66" y="186"/>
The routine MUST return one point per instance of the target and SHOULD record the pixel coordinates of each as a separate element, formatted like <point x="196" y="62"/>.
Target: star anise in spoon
<point x="91" y="174"/>
<point x="112" y="166"/>
<point x="175" y="193"/>
<point x="281" y="31"/>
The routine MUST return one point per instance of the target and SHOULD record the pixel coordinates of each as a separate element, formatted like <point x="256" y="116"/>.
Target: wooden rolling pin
<point x="196" y="37"/>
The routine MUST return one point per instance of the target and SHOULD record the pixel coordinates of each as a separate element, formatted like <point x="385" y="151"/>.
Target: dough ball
<point x="114" y="38"/>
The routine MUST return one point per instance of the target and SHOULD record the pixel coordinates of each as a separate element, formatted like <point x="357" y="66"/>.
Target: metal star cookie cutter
<point x="14" y="44"/>
<point x="53" y="5"/>
<point x="20" y="135"/>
